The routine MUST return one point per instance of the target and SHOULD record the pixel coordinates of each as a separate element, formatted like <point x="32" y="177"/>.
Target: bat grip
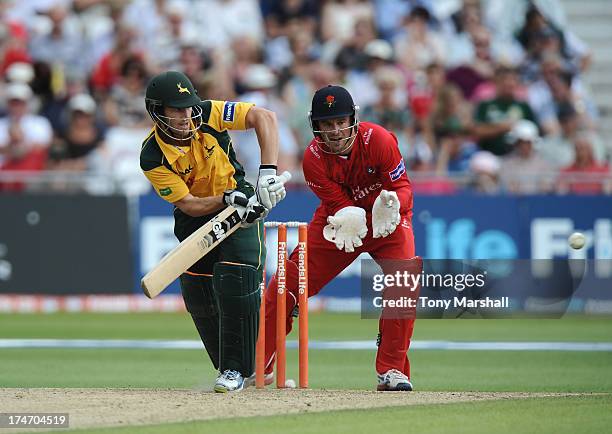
<point x="242" y="201"/>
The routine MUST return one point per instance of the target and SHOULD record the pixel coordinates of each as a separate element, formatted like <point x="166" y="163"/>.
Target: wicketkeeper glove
<point x="346" y="228"/>
<point x="271" y="187"/>
<point x="249" y="208"/>
<point x="385" y="214"/>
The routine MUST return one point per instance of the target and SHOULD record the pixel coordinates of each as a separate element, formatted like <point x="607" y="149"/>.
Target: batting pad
<point x="237" y="289"/>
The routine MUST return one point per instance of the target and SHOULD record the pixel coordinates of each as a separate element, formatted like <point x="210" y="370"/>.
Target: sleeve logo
<point x="229" y="109"/>
<point x="396" y="173"/>
<point x="165" y="191"/>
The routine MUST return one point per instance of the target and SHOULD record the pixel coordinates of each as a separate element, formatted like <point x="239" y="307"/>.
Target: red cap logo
<point x="330" y="100"/>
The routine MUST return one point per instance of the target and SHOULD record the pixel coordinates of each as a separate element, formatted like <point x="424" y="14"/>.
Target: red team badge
<point x="330" y="100"/>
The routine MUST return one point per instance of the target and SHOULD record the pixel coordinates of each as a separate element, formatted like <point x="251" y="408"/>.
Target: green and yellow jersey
<point x="208" y="165"/>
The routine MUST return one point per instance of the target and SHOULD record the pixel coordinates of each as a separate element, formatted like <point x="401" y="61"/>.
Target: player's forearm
<point x="200" y="206"/>
<point x="266" y="128"/>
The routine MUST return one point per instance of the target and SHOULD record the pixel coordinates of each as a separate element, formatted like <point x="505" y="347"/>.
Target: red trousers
<point x="325" y="262"/>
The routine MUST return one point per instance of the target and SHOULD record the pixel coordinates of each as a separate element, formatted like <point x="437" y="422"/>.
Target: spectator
<point x="246" y="51"/>
<point x="226" y="21"/>
<point x="166" y="44"/>
<point x="555" y="88"/>
<point x="524" y="171"/>
<point x="377" y="55"/>
<point x="496" y="117"/>
<point x="282" y="13"/>
<point x="298" y="40"/>
<point x="339" y="18"/>
<point x="297" y="94"/>
<point x="390" y="15"/>
<point x="13" y="39"/>
<point x="475" y="73"/>
<point x="455" y="148"/>
<point x="390" y="110"/>
<point x="585" y="175"/>
<point x="353" y="53"/>
<point x="423" y="175"/>
<point x="418" y="46"/>
<point x="540" y="35"/>
<point x="123" y="107"/>
<point x="260" y="83"/>
<point x="107" y="71"/>
<point x="24" y="137"/>
<point x="64" y="45"/>
<point x="449" y="108"/>
<point x="79" y="142"/>
<point x="485" y="167"/>
<point x="471" y="42"/>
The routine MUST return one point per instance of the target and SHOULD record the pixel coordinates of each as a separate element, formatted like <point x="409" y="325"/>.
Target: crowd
<point x="485" y="96"/>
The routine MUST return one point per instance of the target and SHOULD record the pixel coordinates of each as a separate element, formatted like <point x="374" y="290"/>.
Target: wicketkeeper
<point x="189" y="158"/>
<point x="357" y="171"/>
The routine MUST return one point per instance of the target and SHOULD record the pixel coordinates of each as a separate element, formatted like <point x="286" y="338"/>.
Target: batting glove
<point x="270" y="186"/>
<point x="249" y="208"/>
<point x="346" y="228"/>
<point x="385" y="214"/>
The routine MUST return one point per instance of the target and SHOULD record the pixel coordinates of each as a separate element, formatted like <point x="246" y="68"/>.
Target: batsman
<point x="356" y="170"/>
<point x="189" y="159"/>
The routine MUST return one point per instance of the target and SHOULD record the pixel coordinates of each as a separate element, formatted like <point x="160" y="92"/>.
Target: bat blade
<point x="189" y="251"/>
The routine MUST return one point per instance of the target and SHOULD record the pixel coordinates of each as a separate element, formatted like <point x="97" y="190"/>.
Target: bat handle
<point x="242" y="201"/>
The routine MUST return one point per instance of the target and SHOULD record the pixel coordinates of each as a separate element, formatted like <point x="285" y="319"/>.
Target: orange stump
<point x="281" y="309"/>
<point x="303" y="304"/>
<point x="281" y="303"/>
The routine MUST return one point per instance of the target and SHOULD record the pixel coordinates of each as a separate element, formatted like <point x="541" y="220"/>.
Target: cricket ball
<point x="576" y="240"/>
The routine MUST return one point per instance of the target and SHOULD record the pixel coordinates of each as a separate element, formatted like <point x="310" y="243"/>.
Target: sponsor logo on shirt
<point x="314" y="151"/>
<point x="396" y="173"/>
<point x="229" y="109"/>
<point x="186" y="171"/>
<point x="312" y="184"/>
<point x="360" y="193"/>
<point x="366" y="136"/>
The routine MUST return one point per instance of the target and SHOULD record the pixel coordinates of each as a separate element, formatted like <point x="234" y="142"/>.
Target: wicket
<point x="281" y="318"/>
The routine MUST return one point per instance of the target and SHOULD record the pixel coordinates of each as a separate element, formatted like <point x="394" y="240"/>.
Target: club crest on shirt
<point x="371" y="170"/>
<point x="209" y="151"/>
<point x="396" y="173"/>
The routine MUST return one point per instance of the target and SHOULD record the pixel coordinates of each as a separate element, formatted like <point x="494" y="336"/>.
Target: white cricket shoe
<point x="394" y="380"/>
<point x="229" y="381"/>
<point x="268" y="379"/>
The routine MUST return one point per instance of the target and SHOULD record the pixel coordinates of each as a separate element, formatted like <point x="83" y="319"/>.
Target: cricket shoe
<point x="393" y="380"/>
<point x="229" y="381"/>
<point x="268" y="379"/>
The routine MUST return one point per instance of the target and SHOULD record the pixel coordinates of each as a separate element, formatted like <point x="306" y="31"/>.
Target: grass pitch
<point x="433" y="370"/>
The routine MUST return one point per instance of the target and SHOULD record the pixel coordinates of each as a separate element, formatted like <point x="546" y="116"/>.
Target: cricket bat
<point x="190" y="250"/>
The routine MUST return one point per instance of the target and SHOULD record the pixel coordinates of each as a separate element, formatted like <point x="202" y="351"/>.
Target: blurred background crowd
<point x="486" y="96"/>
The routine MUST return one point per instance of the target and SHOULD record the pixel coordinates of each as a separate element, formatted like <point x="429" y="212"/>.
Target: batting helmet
<point x="332" y="102"/>
<point x="172" y="89"/>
